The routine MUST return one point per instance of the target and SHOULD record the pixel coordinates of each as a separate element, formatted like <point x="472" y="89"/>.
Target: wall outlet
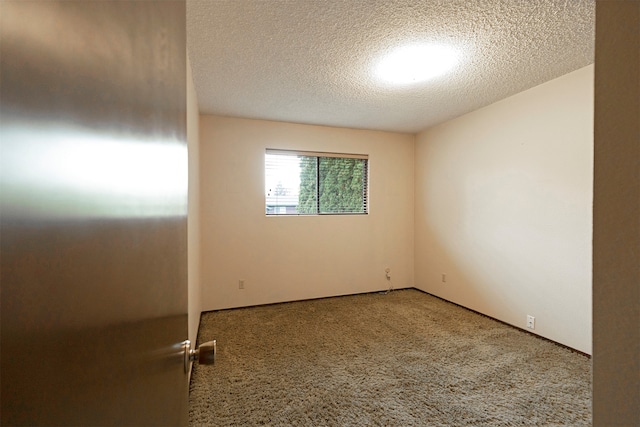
<point x="531" y="322"/>
<point x="240" y="284"/>
<point x="444" y="278"/>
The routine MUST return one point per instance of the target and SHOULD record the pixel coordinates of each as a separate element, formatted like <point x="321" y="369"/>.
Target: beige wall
<point x="503" y="208"/>
<point x="293" y="258"/>
<point x="193" y="223"/>
<point x="616" y="216"/>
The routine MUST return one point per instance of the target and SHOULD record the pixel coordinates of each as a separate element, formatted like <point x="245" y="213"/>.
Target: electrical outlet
<point x="531" y="322"/>
<point x="241" y="284"/>
<point x="444" y="278"/>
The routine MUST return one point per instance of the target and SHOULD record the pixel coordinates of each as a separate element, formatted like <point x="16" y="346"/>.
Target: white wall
<point x="293" y="258"/>
<point x="503" y="208"/>
<point x="193" y="222"/>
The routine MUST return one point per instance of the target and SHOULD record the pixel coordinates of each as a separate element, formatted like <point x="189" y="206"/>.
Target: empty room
<point x="320" y="213"/>
<point x="477" y="190"/>
<point x="475" y="121"/>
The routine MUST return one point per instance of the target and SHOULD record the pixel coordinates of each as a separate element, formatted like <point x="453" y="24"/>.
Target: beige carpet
<point x="400" y="359"/>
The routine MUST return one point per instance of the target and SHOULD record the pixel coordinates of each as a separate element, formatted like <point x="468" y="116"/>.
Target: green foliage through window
<point x="300" y="184"/>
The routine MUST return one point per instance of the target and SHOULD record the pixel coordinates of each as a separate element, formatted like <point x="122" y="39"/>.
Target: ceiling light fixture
<point x="416" y="63"/>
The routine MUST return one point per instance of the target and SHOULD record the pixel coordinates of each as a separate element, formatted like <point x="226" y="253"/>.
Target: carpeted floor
<point x="400" y="359"/>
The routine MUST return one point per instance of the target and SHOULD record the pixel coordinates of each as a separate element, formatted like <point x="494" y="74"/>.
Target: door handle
<point x="205" y="354"/>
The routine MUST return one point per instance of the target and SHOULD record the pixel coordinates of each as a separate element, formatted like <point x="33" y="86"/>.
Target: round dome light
<point x="416" y="63"/>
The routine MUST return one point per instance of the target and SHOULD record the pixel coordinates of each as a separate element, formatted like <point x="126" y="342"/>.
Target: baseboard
<point x="382" y="291"/>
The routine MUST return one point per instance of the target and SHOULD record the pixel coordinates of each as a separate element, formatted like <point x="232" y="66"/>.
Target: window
<point x="304" y="183"/>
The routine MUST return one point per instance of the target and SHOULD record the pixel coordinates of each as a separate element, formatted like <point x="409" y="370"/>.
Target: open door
<point x="93" y="174"/>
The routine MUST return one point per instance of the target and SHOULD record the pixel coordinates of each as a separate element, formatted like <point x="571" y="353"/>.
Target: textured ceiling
<point x="312" y="61"/>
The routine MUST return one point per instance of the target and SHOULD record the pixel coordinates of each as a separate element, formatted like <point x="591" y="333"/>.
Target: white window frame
<point x="318" y="155"/>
